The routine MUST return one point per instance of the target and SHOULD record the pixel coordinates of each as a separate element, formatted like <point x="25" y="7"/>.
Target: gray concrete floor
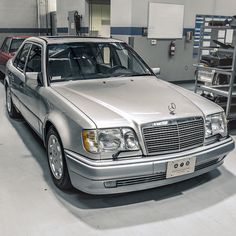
<point x="31" y="205"/>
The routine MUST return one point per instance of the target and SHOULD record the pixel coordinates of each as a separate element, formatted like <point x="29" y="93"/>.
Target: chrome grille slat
<point x="186" y="133"/>
<point x="192" y="140"/>
<point x="196" y="130"/>
<point x="187" y="128"/>
<point x="163" y="137"/>
<point x="179" y="135"/>
<point x="170" y="142"/>
<point x="160" y="130"/>
<point x="141" y="180"/>
<point x="192" y="121"/>
<point x="162" y="140"/>
<point x="161" y="145"/>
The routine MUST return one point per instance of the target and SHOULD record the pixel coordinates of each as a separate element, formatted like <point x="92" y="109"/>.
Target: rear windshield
<point x="15" y="44"/>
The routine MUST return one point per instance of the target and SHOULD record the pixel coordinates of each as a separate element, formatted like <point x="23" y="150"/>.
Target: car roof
<point x="74" y="39"/>
<point x="19" y="37"/>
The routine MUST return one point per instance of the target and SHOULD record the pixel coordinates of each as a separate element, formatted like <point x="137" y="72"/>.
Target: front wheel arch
<point x="47" y="127"/>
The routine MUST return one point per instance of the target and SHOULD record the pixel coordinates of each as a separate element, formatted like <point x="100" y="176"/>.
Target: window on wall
<point x="99" y="11"/>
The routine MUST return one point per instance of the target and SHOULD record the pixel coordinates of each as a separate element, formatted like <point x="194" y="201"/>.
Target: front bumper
<point x="126" y="175"/>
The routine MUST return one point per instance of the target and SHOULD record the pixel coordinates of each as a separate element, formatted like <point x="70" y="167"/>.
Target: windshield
<point x="82" y="61"/>
<point x="15" y="44"/>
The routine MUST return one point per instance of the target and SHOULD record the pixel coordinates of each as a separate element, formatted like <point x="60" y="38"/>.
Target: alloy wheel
<point x="55" y="157"/>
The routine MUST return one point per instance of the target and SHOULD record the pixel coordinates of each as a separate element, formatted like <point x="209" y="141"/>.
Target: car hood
<point x="127" y="101"/>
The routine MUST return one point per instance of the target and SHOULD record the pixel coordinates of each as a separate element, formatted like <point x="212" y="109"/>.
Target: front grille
<point x="141" y="180"/>
<point x="174" y="135"/>
<point x="206" y="164"/>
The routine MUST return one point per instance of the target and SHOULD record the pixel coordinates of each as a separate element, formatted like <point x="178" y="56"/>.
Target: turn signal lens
<point x="90" y="141"/>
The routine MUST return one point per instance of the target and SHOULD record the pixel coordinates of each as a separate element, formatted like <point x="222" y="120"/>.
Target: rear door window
<point x="15" y="44"/>
<point x="6" y="45"/>
<point x="21" y="57"/>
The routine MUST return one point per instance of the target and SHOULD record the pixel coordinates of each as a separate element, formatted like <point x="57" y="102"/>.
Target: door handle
<point x="22" y="84"/>
<point x="11" y="77"/>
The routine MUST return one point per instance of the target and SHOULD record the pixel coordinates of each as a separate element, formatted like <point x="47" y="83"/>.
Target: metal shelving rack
<point x="228" y="91"/>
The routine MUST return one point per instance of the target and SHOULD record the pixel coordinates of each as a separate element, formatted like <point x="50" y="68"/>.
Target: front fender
<point x="60" y="124"/>
<point x="69" y="130"/>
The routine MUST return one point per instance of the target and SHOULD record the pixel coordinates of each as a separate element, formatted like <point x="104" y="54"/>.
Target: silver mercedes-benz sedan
<point x="108" y="123"/>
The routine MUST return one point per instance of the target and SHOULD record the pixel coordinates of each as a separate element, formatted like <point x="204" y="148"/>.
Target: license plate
<point x="180" y="167"/>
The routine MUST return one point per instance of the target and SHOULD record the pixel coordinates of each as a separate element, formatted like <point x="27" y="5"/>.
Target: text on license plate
<point x="180" y="167"/>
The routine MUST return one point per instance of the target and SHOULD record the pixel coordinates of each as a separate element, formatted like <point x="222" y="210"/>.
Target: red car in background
<point x="8" y="49"/>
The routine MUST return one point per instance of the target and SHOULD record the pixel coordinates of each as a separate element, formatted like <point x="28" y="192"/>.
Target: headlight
<point x="216" y="124"/>
<point x="110" y="140"/>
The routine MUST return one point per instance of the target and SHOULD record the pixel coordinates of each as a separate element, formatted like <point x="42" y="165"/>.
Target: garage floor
<point x="31" y="205"/>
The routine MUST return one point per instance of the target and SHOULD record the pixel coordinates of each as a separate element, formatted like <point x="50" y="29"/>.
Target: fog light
<point x="110" y="184"/>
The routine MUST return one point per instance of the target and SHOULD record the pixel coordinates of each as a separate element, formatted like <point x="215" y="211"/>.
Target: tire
<point x="11" y="110"/>
<point x="56" y="160"/>
<point x="2" y="76"/>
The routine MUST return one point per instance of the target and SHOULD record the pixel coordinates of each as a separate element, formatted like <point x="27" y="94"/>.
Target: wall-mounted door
<point x="99" y="11"/>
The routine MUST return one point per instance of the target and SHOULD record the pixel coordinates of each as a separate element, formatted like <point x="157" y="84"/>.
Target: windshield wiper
<point x="129" y="75"/>
<point x="144" y="74"/>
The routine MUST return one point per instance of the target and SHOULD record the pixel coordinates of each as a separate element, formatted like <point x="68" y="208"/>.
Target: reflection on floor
<point x="31" y="205"/>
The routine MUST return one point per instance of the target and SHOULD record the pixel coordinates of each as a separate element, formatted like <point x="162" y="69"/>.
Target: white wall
<point x="140" y="11"/>
<point x="64" y="6"/>
<point x="225" y="7"/>
<point x="121" y="13"/>
<point x="122" y="10"/>
<point x="180" y="66"/>
<point x="134" y="13"/>
<point x="192" y="8"/>
<point x="18" y="14"/>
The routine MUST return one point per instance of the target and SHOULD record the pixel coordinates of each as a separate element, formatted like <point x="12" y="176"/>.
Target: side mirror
<point x="34" y="78"/>
<point x="156" y="71"/>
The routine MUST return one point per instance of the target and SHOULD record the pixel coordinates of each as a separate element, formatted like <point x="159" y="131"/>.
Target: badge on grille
<point x="172" y="108"/>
